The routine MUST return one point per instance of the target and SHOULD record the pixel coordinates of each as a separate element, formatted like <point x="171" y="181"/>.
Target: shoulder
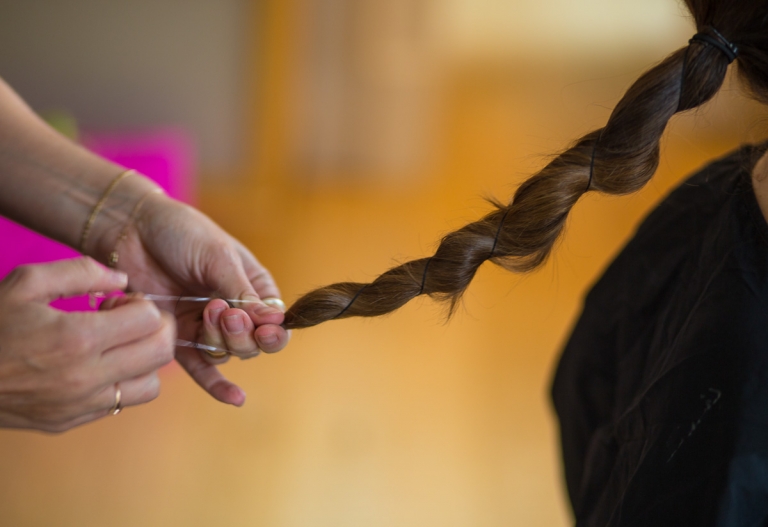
<point x="715" y="204"/>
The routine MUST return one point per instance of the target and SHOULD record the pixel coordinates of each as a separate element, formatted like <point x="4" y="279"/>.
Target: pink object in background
<point x="166" y="156"/>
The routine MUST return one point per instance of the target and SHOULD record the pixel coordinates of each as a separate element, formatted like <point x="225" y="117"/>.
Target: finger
<point x="126" y="319"/>
<point x="112" y="302"/>
<point x="261" y="313"/>
<point x="211" y="332"/>
<point x="140" y="357"/>
<point x="271" y="338"/>
<point x="258" y="275"/>
<point x="210" y="378"/>
<point x="237" y="328"/>
<point x="139" y="390"/>
<point x="133" y="392"/>
<point x="65" y="278"/>
<point x="265" y="286"/>
<point x="233" y="280"/>
<point x="275" y="302"/>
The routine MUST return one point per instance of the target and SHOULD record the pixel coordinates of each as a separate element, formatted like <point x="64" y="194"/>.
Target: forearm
<point x="50" y="184"/>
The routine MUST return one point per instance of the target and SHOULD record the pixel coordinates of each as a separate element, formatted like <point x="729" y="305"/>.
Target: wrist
<point x="115" y="216"/>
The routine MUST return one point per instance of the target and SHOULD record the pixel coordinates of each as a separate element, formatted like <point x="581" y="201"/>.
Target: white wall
<point x="532" y="28"/>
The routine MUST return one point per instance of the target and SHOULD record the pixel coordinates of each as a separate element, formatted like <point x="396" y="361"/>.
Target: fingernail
<point x="268" y="340"/>
<point x="242" y="397"/>
<point x="267" y="310"/>
<point x="276" y="303"/>
<point x="234" y="323"/>
<point x="259" y="306"/>
<point x="215" y="314"/>
<point x="121" y="277"/>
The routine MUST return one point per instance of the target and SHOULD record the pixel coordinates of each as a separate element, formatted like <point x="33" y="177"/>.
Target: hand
<point x="173" y="249"/>
<point x="59" y="370"/>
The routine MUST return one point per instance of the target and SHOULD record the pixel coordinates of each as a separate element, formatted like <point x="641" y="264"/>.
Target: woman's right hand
<point x="59" y="370"/>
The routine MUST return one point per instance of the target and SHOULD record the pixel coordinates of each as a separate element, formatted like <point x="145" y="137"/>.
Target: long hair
<point x="617" y="159"/>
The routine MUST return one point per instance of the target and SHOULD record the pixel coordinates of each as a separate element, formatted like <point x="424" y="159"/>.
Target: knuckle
<point x="161" y="354"/>
<point x="150" y="389"/>
<point x="54" y="429"/>
<point x="166" y="344"/>
<point x="152" y="313"/>
<point x="76" y="384"/>
<point x="73" y="339"/>
<point x="88" y="265"/>
<point x="54" y="424"/>
<point x="153" y="389"/>
<point x="24" y="275"/>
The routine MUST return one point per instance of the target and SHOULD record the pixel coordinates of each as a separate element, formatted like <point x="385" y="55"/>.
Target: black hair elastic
<point x="592" y="161"/>
<point x="350" y="302"/>
<point x="498" y="231"/>
<point x="424" y="275"/>
<point x="719" y="42"/>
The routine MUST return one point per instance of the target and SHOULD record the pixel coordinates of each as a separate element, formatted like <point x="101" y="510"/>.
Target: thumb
<point x="65" y="278"/>
<point x="236" y="285"/>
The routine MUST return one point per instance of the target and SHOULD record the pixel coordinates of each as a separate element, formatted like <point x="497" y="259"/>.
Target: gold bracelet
<point x="99" y="205"/>
<point x="113" y="256"/>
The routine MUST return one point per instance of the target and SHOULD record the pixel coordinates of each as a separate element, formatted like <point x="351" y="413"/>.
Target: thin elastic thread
<point x="498" y="232"/>
<point x="424" y="276"/>
<point x="592" y="161"/>
<point x="720" y="43"/>
<point x="351" y="302"/>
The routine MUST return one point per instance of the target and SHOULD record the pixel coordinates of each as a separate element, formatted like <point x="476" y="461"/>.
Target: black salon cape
<point x="662" y="390"/>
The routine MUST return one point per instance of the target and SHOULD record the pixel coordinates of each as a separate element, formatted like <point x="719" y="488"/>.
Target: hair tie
<point x="498" y="231"/>
<point x="718" y="42"/>
<point x="424" y="274"/>
<point x="351" y="302"/>
<point x="592" y="160"/>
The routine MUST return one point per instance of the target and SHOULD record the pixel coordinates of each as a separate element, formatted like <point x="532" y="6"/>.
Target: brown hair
<point x="617" y="159"/>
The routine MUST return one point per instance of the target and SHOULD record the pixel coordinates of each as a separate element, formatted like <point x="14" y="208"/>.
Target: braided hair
<point x="619" y="158"/>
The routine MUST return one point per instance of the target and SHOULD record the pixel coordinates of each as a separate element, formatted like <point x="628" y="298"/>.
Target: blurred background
<point x="335" y="138"/>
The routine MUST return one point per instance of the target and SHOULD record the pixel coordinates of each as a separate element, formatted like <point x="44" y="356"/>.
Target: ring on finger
<point x="117" y="406"/>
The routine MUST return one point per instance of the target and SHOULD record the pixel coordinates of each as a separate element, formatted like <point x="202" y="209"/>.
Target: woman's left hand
<point x="173" y="249"/>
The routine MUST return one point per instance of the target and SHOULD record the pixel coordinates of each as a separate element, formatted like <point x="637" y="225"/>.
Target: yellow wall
<point x="400" y="421"/>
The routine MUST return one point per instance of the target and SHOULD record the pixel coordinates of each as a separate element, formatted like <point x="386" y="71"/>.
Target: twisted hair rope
<point x="544" y="200"/>
<point x="592" y="161"/>
<point x="350" y="302"/>
<point x="424" y="276"/>
<point x="682" y="79"/>
<point x="498" y="232"/>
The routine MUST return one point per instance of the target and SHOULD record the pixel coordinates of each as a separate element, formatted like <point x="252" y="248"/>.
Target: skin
<point x="52" y="185"/>
<point x="59" y="370"/>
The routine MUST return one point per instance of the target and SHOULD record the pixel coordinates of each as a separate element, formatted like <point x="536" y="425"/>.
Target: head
<point x="619" y="158"/>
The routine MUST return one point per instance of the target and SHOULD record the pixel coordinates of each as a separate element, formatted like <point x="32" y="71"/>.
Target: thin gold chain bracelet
<point x="114" y="257"/>
<point x="99" y="205"/>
